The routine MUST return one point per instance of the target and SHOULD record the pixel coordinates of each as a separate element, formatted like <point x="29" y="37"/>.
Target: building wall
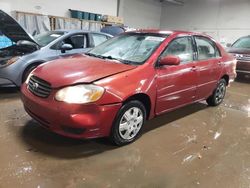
<point x="136" y="13"/>
<point x="60" y="8"/>
<point x="226" y="20"/>
<point x="141" y="13"/>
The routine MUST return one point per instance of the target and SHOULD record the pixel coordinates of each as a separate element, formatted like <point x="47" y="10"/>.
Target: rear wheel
<point x="128" y="123"/>
<point x="219" y="93"/>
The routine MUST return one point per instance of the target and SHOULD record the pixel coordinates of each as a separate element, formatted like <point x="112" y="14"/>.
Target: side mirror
<point x="228" y="45"/>
<point x="66" y="47"/>
<point x="170" y="60"/>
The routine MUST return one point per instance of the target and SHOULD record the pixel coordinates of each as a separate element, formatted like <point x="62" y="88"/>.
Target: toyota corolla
<point x="112" y="90"/>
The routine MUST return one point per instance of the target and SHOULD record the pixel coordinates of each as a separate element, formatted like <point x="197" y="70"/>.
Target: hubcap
<point x="131" y="123"/>
<point x="220" y="92"/>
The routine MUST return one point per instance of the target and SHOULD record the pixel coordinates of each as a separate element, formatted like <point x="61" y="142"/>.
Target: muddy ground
<point x="196" y="146"/>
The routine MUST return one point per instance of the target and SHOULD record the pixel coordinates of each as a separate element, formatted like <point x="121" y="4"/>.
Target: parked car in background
<point x="27" y="52"/>
<point x="114" y="88"/>
<point x="113" y="30"/>
<point x="241" y="51"/>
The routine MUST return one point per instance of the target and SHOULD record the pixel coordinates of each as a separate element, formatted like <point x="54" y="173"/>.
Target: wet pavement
<point x="196" y="146"/>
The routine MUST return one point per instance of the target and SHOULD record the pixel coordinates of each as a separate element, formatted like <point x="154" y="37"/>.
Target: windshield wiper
<point x="111" y="58"/>
<point x="127" y="62"/>
<point x="95" y="55"/>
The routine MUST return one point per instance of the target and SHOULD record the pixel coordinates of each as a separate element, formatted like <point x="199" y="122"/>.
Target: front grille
<point x="39" y="87"/>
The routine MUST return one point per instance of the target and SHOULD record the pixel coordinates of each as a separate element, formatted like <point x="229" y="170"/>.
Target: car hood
<point x="78" y="69"/>
<point x="238" y="50"/>
<point x="12" y="29"/>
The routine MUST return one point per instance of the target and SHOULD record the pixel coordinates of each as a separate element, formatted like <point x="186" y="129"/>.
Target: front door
<point x="176" y="85"/>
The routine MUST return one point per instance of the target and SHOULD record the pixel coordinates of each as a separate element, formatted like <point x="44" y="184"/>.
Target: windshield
<point x="44" y="39"/>
<point x="133" y="48"/>
<point x="242" y="43"/>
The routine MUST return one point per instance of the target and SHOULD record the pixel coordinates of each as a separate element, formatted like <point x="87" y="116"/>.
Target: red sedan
<point x="112" y="90"/>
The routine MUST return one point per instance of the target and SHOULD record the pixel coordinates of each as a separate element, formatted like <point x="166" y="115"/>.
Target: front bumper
<point x="71" y="120"/>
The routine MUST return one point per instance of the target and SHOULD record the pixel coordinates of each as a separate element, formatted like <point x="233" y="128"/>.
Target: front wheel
<point x="128" y="123"/>
<point x="219" y="93"/>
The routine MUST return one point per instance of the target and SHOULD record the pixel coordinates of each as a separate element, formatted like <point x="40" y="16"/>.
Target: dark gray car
<point x="27" y="52"/>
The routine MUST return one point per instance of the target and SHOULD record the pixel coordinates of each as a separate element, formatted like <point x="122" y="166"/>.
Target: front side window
<point x="206" y="48"/>
<point x="98" y="38"/>
<point x="77" y="41"/>
<point x="181" y="47"/>
<point x="242" y="43"/>
<point x="133" y="48"/>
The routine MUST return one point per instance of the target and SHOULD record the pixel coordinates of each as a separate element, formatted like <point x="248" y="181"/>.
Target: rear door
<point x="208" y="64"/>
<point x="176" y="85"/>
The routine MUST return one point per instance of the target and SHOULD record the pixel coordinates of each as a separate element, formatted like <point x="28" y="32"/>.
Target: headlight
<point x="80" y="94"/>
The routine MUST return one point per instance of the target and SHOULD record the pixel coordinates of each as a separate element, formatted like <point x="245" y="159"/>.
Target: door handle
<point x="220" y="63"/>
<point x="193" y="68"/>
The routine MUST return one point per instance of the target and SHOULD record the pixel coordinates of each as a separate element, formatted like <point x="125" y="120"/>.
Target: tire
<point x="219" y="93"/>
<point x="128" y="123"/>
<point x="27" y="72"/>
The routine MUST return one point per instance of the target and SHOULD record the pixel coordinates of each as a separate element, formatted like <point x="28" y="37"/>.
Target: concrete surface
<point x="196" y="146"/>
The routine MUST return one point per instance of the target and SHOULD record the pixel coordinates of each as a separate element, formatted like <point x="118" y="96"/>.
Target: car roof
<point x="72" y="31"/>
<point x="168" y="32"/>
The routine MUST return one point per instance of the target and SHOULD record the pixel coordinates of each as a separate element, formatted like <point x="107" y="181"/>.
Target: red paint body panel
<point x="167" y="87"/>
<point x="79" y="69"/>
<point x="176" y="86"/>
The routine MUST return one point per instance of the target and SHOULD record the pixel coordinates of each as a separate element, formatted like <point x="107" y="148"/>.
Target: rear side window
<point x="181" y="47"/>
<point x="206" y="48"/>
<point x="98" y="39"/>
